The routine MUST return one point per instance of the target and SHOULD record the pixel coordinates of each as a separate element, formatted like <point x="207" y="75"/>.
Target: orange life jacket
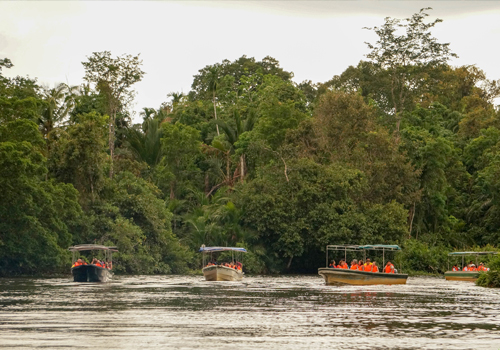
<point x="455" y="268"/>
<point x="361" y="268"/>
<point x="375" y="269"/>
<point x="354" y="267"/>
<point x="368" y="267"/>
<point x="389" y="268"/>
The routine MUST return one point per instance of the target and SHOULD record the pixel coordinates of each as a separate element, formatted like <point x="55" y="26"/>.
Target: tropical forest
<point x="400" y="148"/>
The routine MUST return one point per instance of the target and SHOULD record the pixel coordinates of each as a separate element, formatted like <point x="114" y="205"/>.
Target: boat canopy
<point x="221" y="249"/>
<point x="471" y="253"/>
<point x="82" y="247"/>
<point x="364" y="247"/>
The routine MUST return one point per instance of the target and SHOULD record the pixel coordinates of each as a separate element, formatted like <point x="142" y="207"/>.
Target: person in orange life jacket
<point x="344" y="265"/>
<point x="360" y="266"/>
<point x="465" y="268"/>
<point x="368" y="266"/>
<point x="389" y="268"/>
<point x="481" y="267"/>
<point x="455" y="268"/>
<point x="332" y="264"/>
<point x="375" y="267"/>
<point x="354" y="264"/>
<point x="341" y="263"/>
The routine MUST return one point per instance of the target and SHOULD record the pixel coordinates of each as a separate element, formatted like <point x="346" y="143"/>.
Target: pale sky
<point x="314" y="39"/>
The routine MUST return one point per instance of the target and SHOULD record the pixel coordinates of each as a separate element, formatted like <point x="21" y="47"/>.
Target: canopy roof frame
<point x="84" y="247"/>
<point x="204" y="249"/>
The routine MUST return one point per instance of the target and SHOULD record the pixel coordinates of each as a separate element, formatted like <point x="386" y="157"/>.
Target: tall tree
<point x="113" y="78"/>
<point x="407" y="50"/>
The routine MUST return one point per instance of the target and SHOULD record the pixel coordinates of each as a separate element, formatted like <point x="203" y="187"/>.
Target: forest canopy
<point x="400" y="148"/>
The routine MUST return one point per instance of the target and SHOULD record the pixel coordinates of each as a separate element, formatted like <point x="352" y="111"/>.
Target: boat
<point x="95" y="271"/>
<point x="213" y="271"/>
<point x="336" y="276"/>
<point x="460" y="275"/>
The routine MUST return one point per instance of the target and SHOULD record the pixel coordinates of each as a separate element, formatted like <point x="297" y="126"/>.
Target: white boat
<point x="218" y="271"/>
<point x="222" y="273"/>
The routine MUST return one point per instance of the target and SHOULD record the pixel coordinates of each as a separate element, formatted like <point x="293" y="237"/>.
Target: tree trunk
<point x="228" y="170"/>
<point x="242" y="164"/>
<point x="289" y="263"/>
<point x="207" y="184"/>
<point x="215" y="114"/>
<point x="412" y="215"/>
<point x="172" y="193"/>
<point x="111" y="143"/>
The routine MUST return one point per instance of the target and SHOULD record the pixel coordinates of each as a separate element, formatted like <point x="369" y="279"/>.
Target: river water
<point x="293" y="312"/>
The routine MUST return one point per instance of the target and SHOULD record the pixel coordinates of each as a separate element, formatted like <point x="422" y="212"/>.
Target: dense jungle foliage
<point x="401" y="148"/>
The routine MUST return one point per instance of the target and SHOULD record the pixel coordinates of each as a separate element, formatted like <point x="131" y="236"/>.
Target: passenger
<point x="465" y="268"/>
<point x="360" y="266"/>
<point x="332" y="264"/>
<point x="368" y="266"/>
<point x="339" y="266"/>
<point x="481" y="267"/>
<point x="389" y="267"/>
<point x="455" y="268"/>
<point x="344" y="265"/>
<point x="354" y="264"/>
<point x="374" y="267"/>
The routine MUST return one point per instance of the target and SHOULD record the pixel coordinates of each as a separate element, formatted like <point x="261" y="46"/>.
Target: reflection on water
<point x="297" y="312"/>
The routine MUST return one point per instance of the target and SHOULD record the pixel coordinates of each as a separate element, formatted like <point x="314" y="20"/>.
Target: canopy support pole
<point x="383" y="258"/>
<point x="326" y="256"/>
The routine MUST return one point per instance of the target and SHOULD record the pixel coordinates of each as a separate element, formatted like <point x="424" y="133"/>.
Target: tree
<point x="113" y="78"/>
<point x="59" y="103"/>
<point x="407" y="57"/>
<point x="36" y="216"/>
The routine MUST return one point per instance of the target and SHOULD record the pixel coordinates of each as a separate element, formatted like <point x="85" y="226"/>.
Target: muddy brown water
<point x="262" y="312"/>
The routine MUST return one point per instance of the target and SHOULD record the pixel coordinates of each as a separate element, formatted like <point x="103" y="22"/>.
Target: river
<point x="262" y="312"/>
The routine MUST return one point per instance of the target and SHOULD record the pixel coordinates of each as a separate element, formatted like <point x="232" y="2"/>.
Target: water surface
<point x="294" y="312"/>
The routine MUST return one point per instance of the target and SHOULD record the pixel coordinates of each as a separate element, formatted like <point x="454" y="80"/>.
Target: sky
<point x="314" y="39"/>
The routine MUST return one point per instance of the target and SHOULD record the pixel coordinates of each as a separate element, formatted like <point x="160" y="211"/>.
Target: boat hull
<point x="334" y="276"/>
<point x="471" y="276"/>
<point x="90" y="273"/>
<point x="221" y="273"/>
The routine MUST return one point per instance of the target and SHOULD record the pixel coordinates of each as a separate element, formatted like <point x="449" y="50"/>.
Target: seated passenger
<point x="455" y="268"/>
<point x="339" y="266"/>
<point x="332" y="264"/>
<point x="389" y="267"/>
<point x="481" y="267"/>
<point x="465" y="268"/>
<point x="368" y="266"/>
<point x="374" y="267"/>
<point x="354" y="264"/>
<point x="344" y="265"/>
<point x="361" y="266"/>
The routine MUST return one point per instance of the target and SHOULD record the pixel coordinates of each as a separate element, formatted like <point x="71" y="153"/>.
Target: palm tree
<point x="59" y="103"/>
<point x="145" y="142"/>
<point x="233" y="133"/>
